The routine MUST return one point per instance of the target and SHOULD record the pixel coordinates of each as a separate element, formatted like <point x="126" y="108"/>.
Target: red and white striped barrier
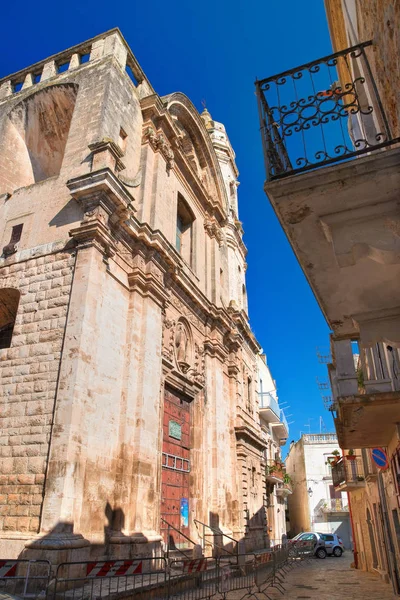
<point x="114" y="568"/>
<point x="8" y="568"/>
<point x="194" y="566"/>
<point x="264" y="558"/>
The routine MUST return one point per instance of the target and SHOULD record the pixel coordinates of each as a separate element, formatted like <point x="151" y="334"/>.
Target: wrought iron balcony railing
<point x="335" y="505"/>
<point x="348" y="473"/>
<point x="322" y="112"/>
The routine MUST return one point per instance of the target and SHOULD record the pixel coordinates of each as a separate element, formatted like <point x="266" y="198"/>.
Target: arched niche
<point x="35" y="135"/>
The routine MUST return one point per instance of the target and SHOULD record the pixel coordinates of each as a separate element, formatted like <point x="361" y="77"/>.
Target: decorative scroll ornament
<point x="214" y="230"/>
<point x="159" y="143"/>
<point x="309" y="118"/>
<point x="168" y="338"/>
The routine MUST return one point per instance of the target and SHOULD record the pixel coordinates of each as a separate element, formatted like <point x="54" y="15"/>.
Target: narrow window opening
<point x="17" y="87"/>
<point x="63" y="67"/>
<point x="253" y="476"/>
<point x="84" y="58"/>
<point x="9" y="300"/>
<point x="16" y="233"/>
<point x="249" y="393"/>
<point x="131" y="75"/>
<point x="184" y="230"/>
<point x="122" y="139"/>
<point x="36" y="78"/>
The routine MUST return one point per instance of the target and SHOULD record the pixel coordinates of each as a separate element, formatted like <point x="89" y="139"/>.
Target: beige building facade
<point x="128" y="367"/>
<point x="342" y="220"/>
<point x="315" y="504"/>
<point x="275" y="431"/>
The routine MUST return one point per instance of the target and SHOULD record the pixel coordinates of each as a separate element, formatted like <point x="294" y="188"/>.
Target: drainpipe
<point x="355" y="552"/>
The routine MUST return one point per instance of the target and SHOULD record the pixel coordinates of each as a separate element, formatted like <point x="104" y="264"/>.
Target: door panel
<point x="175" y="466"/>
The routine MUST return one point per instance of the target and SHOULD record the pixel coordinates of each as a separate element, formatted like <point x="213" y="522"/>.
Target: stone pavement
<point x="328" y="579"/>
<point x="331" y="579"/>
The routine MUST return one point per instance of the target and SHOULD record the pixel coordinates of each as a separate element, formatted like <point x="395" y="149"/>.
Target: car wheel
<point x="320" y="553"/>
<point x="337" y="551"/>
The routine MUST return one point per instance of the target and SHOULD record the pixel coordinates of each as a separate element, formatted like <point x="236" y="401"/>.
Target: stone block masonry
<point x="28" y="375"/>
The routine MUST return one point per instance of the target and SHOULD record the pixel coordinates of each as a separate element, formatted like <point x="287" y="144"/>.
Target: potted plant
<point x="351" y="455"/>
<point x="360" y="478"/>
<point x="334" y="458"/>
<point x="287" y="480"/>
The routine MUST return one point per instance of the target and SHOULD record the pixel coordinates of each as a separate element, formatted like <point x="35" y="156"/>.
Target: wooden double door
<point x="175" y="495"/>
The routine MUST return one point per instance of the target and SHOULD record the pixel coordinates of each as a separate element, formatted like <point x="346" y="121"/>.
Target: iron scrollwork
<point x="325" y="111"/>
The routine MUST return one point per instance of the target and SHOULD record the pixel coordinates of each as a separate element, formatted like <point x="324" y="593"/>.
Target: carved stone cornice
<point x="248" y="436"/>
<point x="103" y="183"/>
<point x="147" y="277"/>
<point x="215" y="348"/>
<point x="94" y="233"/>
<point x="106" y="151"/>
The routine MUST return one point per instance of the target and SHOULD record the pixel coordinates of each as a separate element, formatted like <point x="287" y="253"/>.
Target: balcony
<point x="284" y="489"/>
<point x="335" y="505"/>
<point x="274" y="416"/>
<point x="320" y="113"/>
<point x="348" y="474"/>
<point x="274" y="471"/>
<point x="333" y="177"/>
<point x="366" y="392"/>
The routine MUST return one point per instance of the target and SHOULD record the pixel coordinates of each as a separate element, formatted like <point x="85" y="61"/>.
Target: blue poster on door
<point x="184" y="512"/>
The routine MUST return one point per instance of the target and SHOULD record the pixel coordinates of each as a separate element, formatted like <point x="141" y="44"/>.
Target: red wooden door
<point x="175" y="467"/>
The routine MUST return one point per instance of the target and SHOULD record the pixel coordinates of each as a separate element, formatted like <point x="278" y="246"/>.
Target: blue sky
<point x="214" y="51"/>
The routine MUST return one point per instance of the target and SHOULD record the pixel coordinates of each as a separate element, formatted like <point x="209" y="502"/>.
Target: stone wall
<point x="379" y="20"/>
<point x="28" y="374"/>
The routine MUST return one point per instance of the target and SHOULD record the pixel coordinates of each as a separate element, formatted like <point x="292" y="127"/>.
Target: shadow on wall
<point x="62" y="544"/>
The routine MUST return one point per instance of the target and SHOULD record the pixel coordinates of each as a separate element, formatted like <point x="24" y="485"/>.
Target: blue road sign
<point x="380" y="458"/>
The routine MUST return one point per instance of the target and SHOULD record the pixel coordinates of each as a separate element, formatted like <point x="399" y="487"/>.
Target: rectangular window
<point x="16" y="233"/>
<point x="179" y="233"/>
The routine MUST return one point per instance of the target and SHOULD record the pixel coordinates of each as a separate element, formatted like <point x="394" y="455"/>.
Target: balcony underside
<point x="283" y="491"/>
<point x="280" y="430"/>
<point x="337" y="221"/>
<point x="349" y="486"/>
<point x="268" y="415"/>
<point x="367" y="421"/>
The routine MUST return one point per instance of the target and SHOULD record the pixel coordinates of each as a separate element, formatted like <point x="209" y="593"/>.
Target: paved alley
<point x="331" y="579"/>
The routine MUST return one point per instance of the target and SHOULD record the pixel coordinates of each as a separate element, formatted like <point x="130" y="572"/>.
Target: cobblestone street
<point x="330" y="579"/>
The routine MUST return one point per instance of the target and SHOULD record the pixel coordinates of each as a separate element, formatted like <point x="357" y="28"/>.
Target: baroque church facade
<point x="128" y="368"/>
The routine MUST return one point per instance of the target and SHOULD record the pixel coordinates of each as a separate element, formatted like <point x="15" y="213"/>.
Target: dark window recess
<point x="16" y="233"/>
<point x="131" y="75"/>
<point x="396" y="523"/>
<point x="9" y="299"/>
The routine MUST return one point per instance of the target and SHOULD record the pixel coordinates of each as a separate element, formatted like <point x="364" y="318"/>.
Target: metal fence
<point x="24" y="578"/>
<point x="157" y="578"/>
<point x="102" y="579"/>
<point x="321" y="112"/>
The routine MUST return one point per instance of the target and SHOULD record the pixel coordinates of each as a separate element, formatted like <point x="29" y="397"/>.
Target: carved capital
<point x="159" y="143"/>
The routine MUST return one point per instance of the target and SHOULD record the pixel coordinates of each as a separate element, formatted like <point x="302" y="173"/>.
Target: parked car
<point x="325" y="543"/>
